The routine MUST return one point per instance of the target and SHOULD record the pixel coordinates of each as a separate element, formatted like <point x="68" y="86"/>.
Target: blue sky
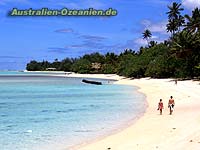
<point x="46" y="38"/>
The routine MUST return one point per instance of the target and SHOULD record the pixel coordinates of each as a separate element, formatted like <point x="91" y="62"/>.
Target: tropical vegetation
<point x="178" y="56"/>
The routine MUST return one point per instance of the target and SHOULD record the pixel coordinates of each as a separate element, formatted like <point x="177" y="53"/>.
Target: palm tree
<point x="193" y="22"/>
<point x="111" y="58"/>
<point x="172" y="27"/>
<point x="184" y="44"/>
<point x="146" y="35"/>
<point x="152" y="44"/>
<point x="180" y="22"/>
<point x="174" y="11"/>
<point x="174" y="18"/>
<point x="127" y="52"/>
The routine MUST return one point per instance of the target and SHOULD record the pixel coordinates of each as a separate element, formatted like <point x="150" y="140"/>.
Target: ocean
<point x="41" y="112"/>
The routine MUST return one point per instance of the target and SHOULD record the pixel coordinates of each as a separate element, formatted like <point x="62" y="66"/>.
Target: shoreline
<point x="180" y="131"/>
<point x="124" y="125"/>
<point x="119" y="126"/>
<point x="153" y="131"/>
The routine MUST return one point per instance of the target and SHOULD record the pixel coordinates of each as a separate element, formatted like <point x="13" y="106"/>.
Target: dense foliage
<point x="179" y="56"/>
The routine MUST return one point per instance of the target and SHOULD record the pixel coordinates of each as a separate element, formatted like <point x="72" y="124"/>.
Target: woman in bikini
<point x="160" y="106"/>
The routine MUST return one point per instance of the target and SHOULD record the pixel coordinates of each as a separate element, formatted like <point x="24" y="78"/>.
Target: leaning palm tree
<point x="185" y="47"/>
<point x="193" y="22"/>
<point x="184" y="43"/>
<point x="147" y="35"/>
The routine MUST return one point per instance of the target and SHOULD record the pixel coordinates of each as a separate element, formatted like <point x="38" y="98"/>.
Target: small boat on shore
<point x="92" y="82"/>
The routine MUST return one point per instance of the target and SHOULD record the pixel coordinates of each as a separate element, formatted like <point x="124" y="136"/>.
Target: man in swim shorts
<point x="171" y="105"/>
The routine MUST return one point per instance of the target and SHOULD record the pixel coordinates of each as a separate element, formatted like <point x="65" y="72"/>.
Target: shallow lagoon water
<point x="43" y="112"/>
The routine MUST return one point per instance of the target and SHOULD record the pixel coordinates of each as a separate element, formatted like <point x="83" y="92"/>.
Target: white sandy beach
<point x="180" y="131"/>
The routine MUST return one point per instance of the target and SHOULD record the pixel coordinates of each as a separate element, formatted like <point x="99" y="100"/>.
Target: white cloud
<point x="158" y="27"/>
<point x="154" y="37"/>
<point x="158" y="30"/>
<point x="141" y="41"/>
<point x="191" y="4"/>
<point x="155" y="27"/>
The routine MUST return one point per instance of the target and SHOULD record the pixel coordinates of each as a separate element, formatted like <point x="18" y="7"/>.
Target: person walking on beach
<point x="171" y="105"/>
<point x="160" y="106"/>
<point x="175" y="82"/>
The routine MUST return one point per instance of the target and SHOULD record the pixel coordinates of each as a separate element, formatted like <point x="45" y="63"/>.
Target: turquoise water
<point x="29" y="73"/>
<point x="52" y="113"/>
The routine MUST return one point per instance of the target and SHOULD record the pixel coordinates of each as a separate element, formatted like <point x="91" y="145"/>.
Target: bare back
<point x="171" y="101"/>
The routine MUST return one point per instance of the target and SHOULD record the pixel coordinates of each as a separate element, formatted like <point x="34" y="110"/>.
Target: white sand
<point x="180" y="131"/>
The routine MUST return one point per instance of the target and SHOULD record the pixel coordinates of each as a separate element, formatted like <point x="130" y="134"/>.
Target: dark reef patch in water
<point x="3" y="115"/>
<point x="45" y="110"/>
<point x="83" y="131"/>
<point x="70" y="110"/>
